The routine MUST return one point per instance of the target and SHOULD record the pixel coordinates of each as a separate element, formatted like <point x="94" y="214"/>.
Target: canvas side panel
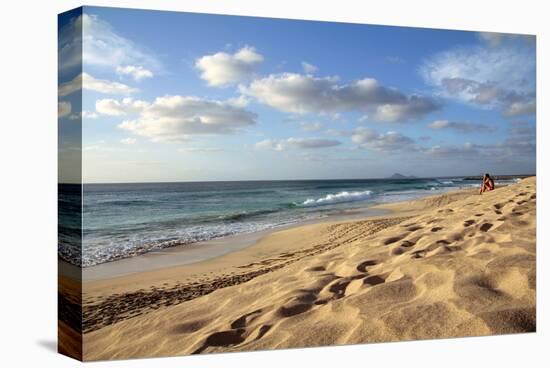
<point x="70" y="183"/>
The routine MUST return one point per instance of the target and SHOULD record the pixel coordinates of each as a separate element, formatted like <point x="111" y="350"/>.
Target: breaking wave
<point x="338" y="198"/>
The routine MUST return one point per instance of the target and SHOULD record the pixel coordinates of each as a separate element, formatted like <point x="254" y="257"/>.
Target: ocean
<point x="125" y="220"/>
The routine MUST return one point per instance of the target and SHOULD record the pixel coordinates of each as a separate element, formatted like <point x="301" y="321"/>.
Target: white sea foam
<point x="338" y="198"/>
<point x="108" y="250"/>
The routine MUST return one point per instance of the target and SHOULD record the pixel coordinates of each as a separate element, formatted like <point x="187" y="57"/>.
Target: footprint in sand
<point x="457" y="237"/>
<point x="418" y="254"/>
<point x="373" y="280"/>
<point x="436" y="229"/>
<point x="339" y="288"/>
<point x="262" y="331"/>
<point x="486" y="226"/>
<point x="223" y="338"/>
<point x="294" y="309"/>
<point x="414" y="227"/>
<point x="244" y="320"/>
<point x="316" y="269"/>
<point x="407" y="243"/>
<point x="469" y="223"/>
<point x="362" y="267"/>
<point x="397" y="251"/>
<point x="394" y="239"/>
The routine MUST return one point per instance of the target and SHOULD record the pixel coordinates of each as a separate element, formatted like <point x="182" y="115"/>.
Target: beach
<point x="450" y="265"/>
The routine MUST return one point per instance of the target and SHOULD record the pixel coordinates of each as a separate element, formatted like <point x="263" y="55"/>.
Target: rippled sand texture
<point x="458" y="264"/>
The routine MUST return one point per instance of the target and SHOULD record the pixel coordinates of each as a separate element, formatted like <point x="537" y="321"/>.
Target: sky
<point x="157" y="96"/>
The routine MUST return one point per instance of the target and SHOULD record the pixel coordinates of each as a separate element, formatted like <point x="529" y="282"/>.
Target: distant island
<point x="401" y="176"/>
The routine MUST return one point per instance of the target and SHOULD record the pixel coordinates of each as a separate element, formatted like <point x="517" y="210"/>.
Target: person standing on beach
<point x="488" y="184"/>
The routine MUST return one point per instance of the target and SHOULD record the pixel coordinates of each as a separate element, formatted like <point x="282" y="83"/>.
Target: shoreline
<point x="197" y="252"/>
<point x="171" y="269"/>
<point x="465" y="260"/>
<point x="155" y="237"/>
<point x="229" y="251"/>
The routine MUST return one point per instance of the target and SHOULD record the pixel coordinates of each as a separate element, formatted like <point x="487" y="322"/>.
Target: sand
<point x="452" y="265"/>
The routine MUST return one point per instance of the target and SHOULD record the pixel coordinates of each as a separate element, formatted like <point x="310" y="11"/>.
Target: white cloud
<point x="520" y="108"/>
<point x="311" y="127"/>
<point x="455" y="151"/>
<point x="63" y="109"/>
<point x="521" y="140"/>
<point x="414" y="108"/>
<point x="309" y="68"/>
<point x="89" y="115"/>
<point x="222" y="69"/>
<point x="126" y="106"/>
<point x="519" y="145"/>
<point x="302" y="143"/>
<point x="69" y="51"/>
<point x="493" y="39"/>
<point x="491" y="77"/>
<point x="503" y="67"/>
<point x="93" y="40"/>
<point x="241" y="101"/>
<point x="87" y="82"/>
<point x="338" y="132"/>
<point x="363" y="118"/>
<point x="72" y="86"/>
<point x="296" y="93"/>
<point x="177" y="118"/>
<point x="128" y="141"/>
<point x="199" y="150"/>
<point x="497" y="39"/>
<point x="84" y="115"/>
<point x="464" y="127"/>
<point x="135" y="71"/>
<point x="490" y="95"/>
<point x="386" y="142"/>
<point x="273" y="144"/>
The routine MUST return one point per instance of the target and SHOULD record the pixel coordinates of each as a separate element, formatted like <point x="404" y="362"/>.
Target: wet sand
<point x="206" y="250"/>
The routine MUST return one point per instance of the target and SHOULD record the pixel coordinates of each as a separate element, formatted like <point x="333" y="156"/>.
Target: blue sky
<point x="177" y="96"/>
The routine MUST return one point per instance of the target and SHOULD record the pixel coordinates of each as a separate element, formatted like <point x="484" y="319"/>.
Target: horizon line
<point x="270" y="180"/>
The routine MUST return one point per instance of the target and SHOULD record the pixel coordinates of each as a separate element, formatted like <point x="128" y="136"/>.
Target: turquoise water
<point x="124" y="220"/>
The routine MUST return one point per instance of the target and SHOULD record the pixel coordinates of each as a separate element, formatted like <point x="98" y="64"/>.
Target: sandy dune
<point x="458" y="264"/>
